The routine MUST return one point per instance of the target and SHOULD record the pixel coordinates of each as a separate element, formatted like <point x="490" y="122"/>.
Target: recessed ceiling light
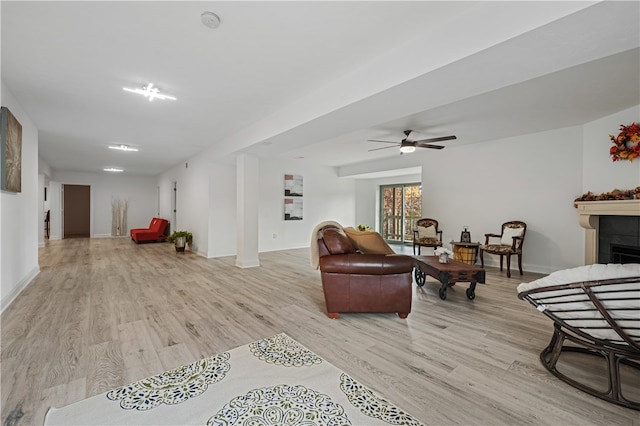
<point x="113" y="169"/>
<point x="210" y="20"/>
<point x="123" y="148"/>
<point x="149" y="92"/>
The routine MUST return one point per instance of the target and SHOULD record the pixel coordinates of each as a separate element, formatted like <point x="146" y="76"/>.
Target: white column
<point x="248" y="191"/>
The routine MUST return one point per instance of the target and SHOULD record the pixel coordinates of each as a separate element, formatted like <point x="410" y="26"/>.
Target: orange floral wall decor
<point x="626" y="146"/>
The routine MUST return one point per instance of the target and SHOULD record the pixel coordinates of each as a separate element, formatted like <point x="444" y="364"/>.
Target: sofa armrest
<point x="366" y="264"/>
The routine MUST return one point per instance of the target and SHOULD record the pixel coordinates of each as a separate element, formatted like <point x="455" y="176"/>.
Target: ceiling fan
<point x="408" y="145"/>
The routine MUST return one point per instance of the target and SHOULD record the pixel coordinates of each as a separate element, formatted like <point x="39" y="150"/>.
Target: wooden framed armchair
<point x="426" y="234"/>
<point x="506" y="244"/>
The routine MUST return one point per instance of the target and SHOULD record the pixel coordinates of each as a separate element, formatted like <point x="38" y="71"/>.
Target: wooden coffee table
<point x="448" y="274"/>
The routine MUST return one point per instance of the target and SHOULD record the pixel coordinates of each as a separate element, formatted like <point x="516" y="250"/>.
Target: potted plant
<point x="180" y="239"/>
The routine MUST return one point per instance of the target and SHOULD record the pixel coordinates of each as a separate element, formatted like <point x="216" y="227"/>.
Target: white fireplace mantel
<point x="589" y="213"/>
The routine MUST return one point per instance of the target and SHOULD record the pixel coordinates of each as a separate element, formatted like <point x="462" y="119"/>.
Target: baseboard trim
<point x="22" y="284"/>
<point x="248" y="263"/>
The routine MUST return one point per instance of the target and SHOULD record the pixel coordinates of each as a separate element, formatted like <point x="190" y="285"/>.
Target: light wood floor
<point x="106" y="312"/>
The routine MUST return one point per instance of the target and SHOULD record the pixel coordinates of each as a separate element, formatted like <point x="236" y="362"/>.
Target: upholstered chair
<point x="506" y="244"/>
<point x="426" y="234"/>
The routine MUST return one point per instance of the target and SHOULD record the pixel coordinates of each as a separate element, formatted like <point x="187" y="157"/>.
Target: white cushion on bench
<point x="578" y="311"/>
<point x="584" y="273"/>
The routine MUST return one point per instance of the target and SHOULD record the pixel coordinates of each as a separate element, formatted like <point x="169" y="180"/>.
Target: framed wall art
<point x="293" y="186"/>
<point x="11" y="151"/>
<point x="293" y="209"/>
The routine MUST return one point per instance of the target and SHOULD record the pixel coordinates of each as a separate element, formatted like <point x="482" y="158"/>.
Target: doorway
<point x="76" y="216"/>
<point x="401" y="206"/>
<point x="174" y="206"/>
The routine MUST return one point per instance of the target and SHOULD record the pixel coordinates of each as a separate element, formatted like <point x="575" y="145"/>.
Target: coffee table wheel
<point x="471" y="294"/>
<point x="442" y="293"/>
<point x="419" y="276"/>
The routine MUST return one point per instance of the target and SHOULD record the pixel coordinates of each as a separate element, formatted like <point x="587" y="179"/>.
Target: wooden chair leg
<point x="501" y="260"/>
<point x="481" y="258"/>
<point x="508" y="266"/>
<point x="520" y="263"/>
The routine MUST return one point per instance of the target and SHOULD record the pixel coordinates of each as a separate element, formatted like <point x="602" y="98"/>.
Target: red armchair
<point x="156" y="232"/>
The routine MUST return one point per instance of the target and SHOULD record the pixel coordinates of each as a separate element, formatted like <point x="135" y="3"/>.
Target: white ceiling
<point x="308" y="79"/>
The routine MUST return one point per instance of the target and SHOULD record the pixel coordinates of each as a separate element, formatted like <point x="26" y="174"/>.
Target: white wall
<point x="210" y="210"/>
<point x="326" y="197"/>
<point x="41" y="214"/>
<point x="368" y="195"/>
<point x="600" y="174"/>
<point x="138" y="191"/>
<point x="533" y="178"/>
<point x="222" y="210"/>
<point x="192" y="200"/>
<point x="19" y="219"/>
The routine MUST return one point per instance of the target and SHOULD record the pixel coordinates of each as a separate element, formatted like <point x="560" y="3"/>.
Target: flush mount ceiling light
<point x="149" y="92"/>
<point x="210" y="20"/>
<point x="123" y="148"/>
<point x="113" y="169"/>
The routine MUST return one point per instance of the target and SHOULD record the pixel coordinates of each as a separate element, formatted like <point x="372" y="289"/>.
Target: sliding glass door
<point x="401" y="206"/>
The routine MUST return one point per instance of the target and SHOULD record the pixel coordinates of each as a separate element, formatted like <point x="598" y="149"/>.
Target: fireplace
<point x="624" y="254"/>
<point x="597" y="216"/>
<point x="618" y="236"/>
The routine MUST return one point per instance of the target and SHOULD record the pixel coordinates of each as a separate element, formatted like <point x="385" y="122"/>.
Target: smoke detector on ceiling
<point x="210" y="20"/>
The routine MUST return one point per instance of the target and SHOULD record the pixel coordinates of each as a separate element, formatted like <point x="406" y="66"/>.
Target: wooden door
<point x="77" y="211"/>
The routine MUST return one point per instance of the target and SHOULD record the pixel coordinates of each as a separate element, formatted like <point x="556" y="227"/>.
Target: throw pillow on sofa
<point x="368" y="242"/>
<point x="337" y="242"/>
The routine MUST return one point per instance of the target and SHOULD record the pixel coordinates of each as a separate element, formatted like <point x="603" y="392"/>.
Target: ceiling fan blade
<point x="426" y="145"/>
<point x="440" y="139"/>
<point x="373" y="140"/>
<point x="378" y="149"/>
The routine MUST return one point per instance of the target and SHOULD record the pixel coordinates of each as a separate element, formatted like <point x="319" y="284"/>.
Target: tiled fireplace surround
<point x="620" y="224"/>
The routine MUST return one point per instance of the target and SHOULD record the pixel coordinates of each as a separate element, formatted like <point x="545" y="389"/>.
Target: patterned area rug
<point x="274" y="381"/>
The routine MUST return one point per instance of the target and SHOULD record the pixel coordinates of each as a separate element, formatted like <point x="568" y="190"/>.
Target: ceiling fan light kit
<point x="407" y="145"/>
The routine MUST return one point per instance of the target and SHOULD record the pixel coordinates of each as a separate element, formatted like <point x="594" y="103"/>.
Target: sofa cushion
<point x="337" y="242"/>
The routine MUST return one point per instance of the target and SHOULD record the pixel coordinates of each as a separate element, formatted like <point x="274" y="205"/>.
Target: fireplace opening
<point x="624" y="254"/>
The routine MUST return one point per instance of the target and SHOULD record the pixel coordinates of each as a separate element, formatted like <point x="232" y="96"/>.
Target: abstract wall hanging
<point x="292" y="209"/>
<point x="292" y="186"/>
<point x="11" y="151"/>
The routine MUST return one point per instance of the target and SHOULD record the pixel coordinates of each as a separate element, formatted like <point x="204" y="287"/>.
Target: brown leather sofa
<point x="360" y="282"/>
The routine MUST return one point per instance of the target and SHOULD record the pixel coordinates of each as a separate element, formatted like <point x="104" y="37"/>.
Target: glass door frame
<point x="406" y="233"/>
